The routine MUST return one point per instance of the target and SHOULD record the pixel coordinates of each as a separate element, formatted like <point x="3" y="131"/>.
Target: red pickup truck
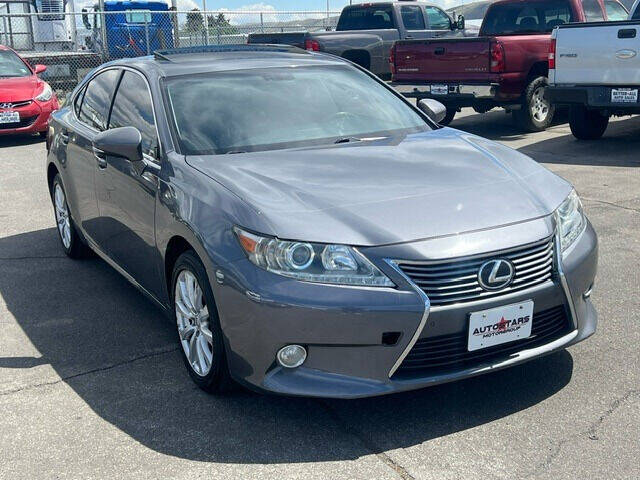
<point x="505" y="66"/>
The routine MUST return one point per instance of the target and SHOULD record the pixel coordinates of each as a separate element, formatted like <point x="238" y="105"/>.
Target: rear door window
<point x="592" y="11"/>
<point x="438" y="20"/>
<point x="97" y="99"/>
<point x="615" y="11"/>
<point x="132" y="107"/>
<point x="368" y="17"/>
<point x="412" y="17"/>
<point x="523" y="18"/>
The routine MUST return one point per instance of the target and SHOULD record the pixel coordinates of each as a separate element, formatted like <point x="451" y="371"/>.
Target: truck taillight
<point x="392" y="60"/>
<point x="497" y="57"/>
<point x="311" y="45"/>
<point x="552" y="54"/>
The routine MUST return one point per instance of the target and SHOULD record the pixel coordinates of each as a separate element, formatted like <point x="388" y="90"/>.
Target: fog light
<point x="291" y="356"/>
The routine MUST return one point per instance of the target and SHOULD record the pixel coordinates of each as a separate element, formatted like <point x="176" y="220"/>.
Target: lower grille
<point x="449" y="352"/>
<point x="24" y="122"/>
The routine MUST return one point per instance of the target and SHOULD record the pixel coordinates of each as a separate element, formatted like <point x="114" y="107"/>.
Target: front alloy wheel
<point x="192" y="317"/>
<point x="199" y="331"/>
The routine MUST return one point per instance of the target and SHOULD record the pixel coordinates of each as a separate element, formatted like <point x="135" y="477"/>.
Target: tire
<point x="71" y="242"/>
<point x="587" y="124"/>
<point x="198" y="327"/>
<point x="536" y="113"/>
<point x="448" y="118"/>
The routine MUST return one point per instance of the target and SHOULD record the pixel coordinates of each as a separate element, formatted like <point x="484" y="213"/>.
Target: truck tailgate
<point x="603" y="53"/>
<point x="442" y="60"/>
<point x="293" y="38"/>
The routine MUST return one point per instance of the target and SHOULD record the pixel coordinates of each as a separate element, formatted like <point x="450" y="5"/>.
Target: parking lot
<point x="92" y="384"/>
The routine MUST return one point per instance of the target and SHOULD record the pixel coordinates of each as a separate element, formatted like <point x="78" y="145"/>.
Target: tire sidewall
<point x="525" y="116"/>
<point x="216" y="378"/>
<point x="73" y="244"/>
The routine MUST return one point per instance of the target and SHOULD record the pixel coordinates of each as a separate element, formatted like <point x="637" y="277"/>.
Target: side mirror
<point x="39" y="68"/>
<point x="125" y="142"/>
<point x="434" y="109"/>
<point x="460" y="23"/>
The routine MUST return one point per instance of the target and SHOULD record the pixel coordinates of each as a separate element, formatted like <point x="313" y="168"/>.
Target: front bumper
<point x="344" y="328"/>
<point x="34" y="117"/>
<point x="593" y="97"/>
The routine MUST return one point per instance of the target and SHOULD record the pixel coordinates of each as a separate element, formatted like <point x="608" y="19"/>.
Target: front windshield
<point x="12" y="66"/>
<point x="266" y="109"/>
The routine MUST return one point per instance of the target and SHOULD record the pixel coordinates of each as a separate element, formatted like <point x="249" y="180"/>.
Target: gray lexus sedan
<point x="309" y="231"/>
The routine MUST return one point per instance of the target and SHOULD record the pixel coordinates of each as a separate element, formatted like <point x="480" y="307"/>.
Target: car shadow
<point x="18" y="140"/>
<point x="119" y="354"/>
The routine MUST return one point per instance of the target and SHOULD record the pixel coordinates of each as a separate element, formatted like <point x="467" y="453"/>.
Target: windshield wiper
<point x="348" y="140"/>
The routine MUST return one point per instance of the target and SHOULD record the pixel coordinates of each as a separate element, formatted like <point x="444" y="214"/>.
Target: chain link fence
<point x="71" y="44"/>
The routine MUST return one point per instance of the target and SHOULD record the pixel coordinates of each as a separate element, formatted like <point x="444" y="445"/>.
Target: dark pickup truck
<point x="505" y="66"/>
<point x="366" y="32"/>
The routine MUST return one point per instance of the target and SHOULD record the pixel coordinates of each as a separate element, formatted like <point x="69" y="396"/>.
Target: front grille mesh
<point x="446" y="353"/>
<point x="456" y="281"/>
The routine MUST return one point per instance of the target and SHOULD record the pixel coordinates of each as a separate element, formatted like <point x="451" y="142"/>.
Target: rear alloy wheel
<point x="536" y="113"/>
<point x="199" y="330"/>
<point x="71" y="241"/>
<point x="587" y="124"/>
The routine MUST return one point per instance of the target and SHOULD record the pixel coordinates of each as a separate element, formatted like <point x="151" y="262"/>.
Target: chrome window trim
<point x="123" y="68"/>
<point x="423" y="320"/>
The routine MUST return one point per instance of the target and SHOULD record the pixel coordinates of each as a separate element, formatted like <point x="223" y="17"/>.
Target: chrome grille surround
<point x="453" y="281"/>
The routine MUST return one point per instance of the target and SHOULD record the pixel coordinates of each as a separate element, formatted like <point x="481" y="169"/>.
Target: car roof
<point x="182" y="61"/>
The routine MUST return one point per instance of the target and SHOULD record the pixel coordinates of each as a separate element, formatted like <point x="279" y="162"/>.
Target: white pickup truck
<point x="595" y="69"/>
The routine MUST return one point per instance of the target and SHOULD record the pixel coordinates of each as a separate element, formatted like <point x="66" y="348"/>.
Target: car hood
<point x="392" y="190"/>
<point x="18" y="89"/>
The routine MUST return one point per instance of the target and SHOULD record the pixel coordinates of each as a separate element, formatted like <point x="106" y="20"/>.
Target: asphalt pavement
<point x="92" y="384"/>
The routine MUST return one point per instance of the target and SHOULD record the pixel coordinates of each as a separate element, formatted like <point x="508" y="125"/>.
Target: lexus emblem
<point x="496" y="274"/>
<point x="5" y="105"/>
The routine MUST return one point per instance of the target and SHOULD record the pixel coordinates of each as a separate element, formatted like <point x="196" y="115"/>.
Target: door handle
<point x="439" y="51"/>
<point x="627" y="33"/>
<point x="64" y="137"/>
<point x="409" y="37"/>
<point x="101" y="157"/>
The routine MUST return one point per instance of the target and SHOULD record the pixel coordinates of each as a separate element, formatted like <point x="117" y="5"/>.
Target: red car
<point x="26" y="101"/>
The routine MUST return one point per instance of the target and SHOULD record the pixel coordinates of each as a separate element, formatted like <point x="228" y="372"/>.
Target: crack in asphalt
<point x="367" y="444"/>
<point x="637" y="210"/>
<point x="88" y="372"/>
<point x="590" y="432"/>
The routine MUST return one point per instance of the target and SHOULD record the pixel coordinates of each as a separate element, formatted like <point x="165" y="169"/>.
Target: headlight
<point x="570" y="219"/>
<point x="312" y="262"/>
<point x="46" y="94"/>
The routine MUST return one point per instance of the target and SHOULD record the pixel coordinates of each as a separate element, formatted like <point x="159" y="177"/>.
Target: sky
<point x="268" y="5"/>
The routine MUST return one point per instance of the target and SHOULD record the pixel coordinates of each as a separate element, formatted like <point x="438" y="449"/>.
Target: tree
<point x="218" y="24"/>
<point x="195" y="21"/>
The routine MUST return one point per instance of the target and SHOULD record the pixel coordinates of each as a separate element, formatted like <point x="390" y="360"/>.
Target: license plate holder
<point x="624" y="95"/>
<point x="499" y="325"/>
<point x="439" y="89"/>
<point x="9" y="117"/>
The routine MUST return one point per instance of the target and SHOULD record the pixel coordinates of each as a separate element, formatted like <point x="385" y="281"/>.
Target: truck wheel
<point x="536" y="113"/>
<point x="587" y="124"/>
<point x="448" y="118"/>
